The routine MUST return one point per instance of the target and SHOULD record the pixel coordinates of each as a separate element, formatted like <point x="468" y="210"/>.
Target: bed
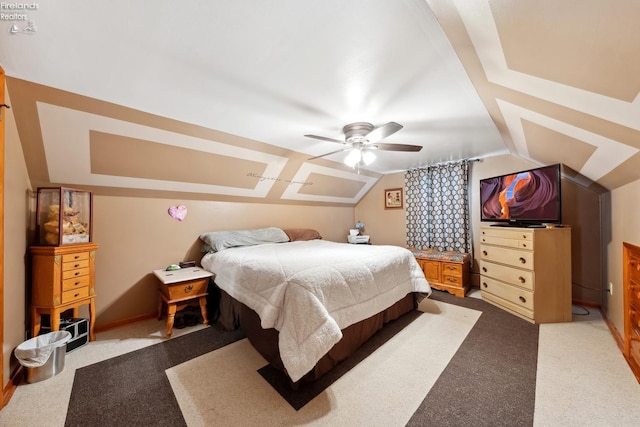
<point x="306" y="303"/>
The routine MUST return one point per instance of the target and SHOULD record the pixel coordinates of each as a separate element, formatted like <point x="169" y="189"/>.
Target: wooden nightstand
<point x="178" y="287"/>
<point x="63" y="279"/>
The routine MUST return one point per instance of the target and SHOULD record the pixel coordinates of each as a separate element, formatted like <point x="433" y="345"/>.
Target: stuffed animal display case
<point x="63" y="216"/>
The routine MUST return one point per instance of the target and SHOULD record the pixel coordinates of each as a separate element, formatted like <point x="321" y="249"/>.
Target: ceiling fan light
<point x="368" y="157"/>
<point x="353" y="158"/>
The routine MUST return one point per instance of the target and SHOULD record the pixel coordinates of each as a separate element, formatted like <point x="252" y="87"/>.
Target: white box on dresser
<point x="527" y="271"/>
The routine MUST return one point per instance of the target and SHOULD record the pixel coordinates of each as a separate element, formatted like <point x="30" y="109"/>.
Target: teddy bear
<point x="70" y="224"/>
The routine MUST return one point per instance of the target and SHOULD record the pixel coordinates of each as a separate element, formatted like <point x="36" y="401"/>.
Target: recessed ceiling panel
<point x="546" y="146"/>
<point x="66" y="139"/>
<point x="328" y="177"/>
<point x="570" y="42"/>
<point x="331" y="186"/>
<point x="118" y="155"/>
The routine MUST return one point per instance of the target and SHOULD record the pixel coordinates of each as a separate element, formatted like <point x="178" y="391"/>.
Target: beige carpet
<point x="223" y="387"/>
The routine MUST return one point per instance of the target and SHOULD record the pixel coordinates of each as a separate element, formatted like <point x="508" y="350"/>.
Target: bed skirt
<point x="234" y="314"/>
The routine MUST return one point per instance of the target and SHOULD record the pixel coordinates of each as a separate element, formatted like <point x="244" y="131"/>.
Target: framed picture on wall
<point x="393" y="198"/>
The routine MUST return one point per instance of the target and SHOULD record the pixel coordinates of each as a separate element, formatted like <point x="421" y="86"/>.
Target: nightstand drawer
<point x="82" y="263"/>
<point x="75" y="283"/>
<point x="78" y="272"/>
<point x="75" y="294"/>
<point x="516" y="276"/>
<point x="185" y="290"/>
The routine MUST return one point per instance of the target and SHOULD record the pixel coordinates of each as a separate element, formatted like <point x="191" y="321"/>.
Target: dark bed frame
<point x="234" y="314"/>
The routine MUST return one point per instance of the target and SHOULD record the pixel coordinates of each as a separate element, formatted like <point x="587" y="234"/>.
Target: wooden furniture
<point x="178" y="288"/>
<point x="63" y="279"/>
<point x="446" y="271"/>
<point x="527" y="271"/>
<point x="631" y="278"/>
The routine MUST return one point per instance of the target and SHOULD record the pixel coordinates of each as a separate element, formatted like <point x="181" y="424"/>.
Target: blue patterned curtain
<point x="437" y="207"/>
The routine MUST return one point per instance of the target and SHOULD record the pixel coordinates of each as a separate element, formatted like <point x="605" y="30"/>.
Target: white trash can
<point x="43" y="356"/>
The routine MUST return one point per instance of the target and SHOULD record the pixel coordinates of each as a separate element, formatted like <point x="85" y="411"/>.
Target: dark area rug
<point x="133" y="389"/>
<point x="307" y="391"/>
<point x="491" y="380"/>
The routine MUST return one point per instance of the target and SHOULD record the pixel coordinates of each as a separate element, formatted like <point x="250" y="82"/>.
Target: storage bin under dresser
<point x="527" y="271"/>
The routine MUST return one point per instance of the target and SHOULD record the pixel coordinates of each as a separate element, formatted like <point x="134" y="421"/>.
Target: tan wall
<point x="385" y="226"/>
<point x="16" y="224"/>
<point x="137" y="235"/>
<point x="623" y="207"/>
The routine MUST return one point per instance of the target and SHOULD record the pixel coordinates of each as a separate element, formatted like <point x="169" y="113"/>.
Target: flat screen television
<point x="526" y="198"/>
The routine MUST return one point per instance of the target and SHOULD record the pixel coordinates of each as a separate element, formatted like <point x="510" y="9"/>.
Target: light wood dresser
<point x="631" y="278"/>
<point x="445" y="271"/>
<point x="527" y="271"/>
<point x="63" y="279"/>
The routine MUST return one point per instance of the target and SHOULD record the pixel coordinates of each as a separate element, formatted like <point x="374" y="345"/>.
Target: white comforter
<point x="309" y="290"/>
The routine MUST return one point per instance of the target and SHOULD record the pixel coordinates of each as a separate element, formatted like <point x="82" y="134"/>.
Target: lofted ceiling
<point x="212" y="99"/>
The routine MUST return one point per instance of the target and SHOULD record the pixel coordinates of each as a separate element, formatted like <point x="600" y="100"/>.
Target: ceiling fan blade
<point x="324" y="138"/>
<point x="328" y="154"/>
<point x="396" y="147"/>
<point x="383" y="131"/>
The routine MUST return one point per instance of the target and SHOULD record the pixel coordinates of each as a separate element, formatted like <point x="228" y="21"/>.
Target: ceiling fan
<point x="361" y="139"/>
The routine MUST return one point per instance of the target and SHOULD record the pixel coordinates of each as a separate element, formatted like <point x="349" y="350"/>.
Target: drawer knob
<point x="76" y="295"/>
<point x="188" y="288"/>
<point x="76" y="257"/>
<point x="77" y="282"/>
<point x="484" y="269"/>
<point x="522" y="260"/>
<point x="451" y="279"/>
<point x="76" y="273"/>
<point x="524" y="245"/>
<point x="76" y="265"/>
<point x="521" y="279"/>
<point x="522" y="299"/>
<point x="484" y="253"/>
<point x="485" y="284"/>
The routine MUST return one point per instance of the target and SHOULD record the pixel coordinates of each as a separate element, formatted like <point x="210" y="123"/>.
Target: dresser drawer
<point x="75" y="257"/>
<point x="70" y="274"/>
<point x="75" y="283"/>
<point x="506" y="233"/>
<point x="515" y="295"/>
<point x="512" y="243"/>
<point x="508" y="305"/>
<point x="516" y="276"/>
<point x="82" y="263"/>
<point x="75" y="294"/>
<point x="514" y="257"/>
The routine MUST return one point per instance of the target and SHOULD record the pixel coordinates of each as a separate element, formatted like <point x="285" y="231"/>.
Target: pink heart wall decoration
<point x="178" y="212"/>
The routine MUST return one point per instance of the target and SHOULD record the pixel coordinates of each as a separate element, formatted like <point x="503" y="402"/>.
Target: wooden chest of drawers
<point x="446" y="271"/>
<point x="631" y="278"/>
<point x="527" y="271"/>
<point x="63" y="279"/>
